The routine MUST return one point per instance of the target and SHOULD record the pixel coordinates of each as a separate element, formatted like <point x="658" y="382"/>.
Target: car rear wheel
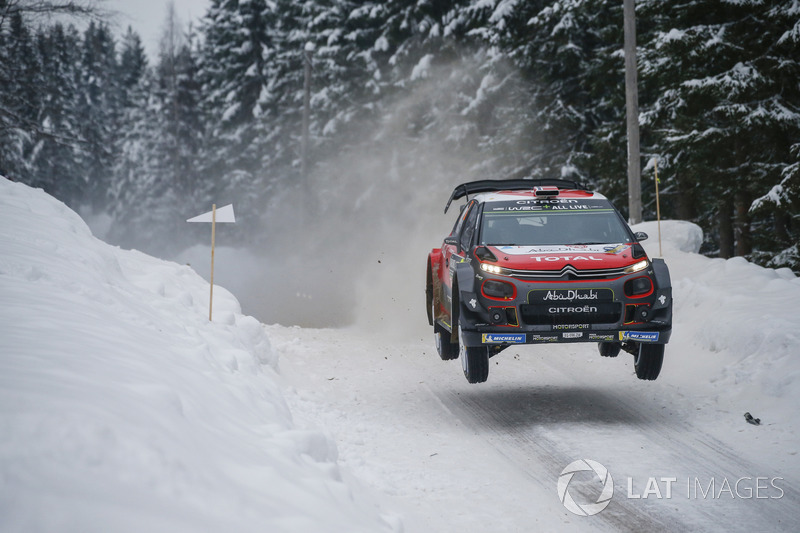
<point x="609" y="349"/>
<point x="648" y="361"/>
<point x="474" y="360"/>
<point x="447" y="350"/>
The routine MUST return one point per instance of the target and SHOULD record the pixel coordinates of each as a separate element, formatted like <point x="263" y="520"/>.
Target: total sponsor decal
<point x="503" y="338"/>
<point x="641" y="336"/>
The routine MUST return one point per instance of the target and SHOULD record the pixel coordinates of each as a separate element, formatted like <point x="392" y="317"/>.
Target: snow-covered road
<point x="450" y="456"/>
<point x="123" y="408"/>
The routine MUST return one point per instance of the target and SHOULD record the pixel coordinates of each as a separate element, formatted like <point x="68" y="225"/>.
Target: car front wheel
<point x="648" y="361"/>
<point x="474" y="360"/>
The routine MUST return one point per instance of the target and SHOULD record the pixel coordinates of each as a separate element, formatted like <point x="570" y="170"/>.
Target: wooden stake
<point x="658" y="209"/>
<point x="213" y="235"/>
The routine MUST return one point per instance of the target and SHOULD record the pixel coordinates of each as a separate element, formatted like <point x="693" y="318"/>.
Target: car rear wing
<point x="475" y="187"/>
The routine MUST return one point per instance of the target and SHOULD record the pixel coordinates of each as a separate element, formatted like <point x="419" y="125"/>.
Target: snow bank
<point x="743" y="318"/>
<point x="122" y="408"/>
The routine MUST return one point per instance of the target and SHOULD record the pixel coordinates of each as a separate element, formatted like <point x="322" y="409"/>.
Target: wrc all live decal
<point x="503" y="338"/>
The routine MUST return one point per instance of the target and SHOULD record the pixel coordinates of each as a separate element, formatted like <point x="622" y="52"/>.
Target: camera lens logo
<point x="585" y="509"/>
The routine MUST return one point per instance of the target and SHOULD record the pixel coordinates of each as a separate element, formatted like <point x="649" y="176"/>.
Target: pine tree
<point x="20" y="72"/>
<point x="779" y="207"/>
<point x="236" y="56"/>
<point x="131" y="186"/>
<point x="157" y="175"/>
<point x="56" y="135"/>
<point x="97" y="111"/>
<point x="723" y="115"/>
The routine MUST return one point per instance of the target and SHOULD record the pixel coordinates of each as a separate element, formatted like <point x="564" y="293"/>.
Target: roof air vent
<point x="546" y="191"/>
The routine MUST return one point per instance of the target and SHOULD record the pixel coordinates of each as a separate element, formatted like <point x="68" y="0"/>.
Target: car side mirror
<point x="641" y="236"/>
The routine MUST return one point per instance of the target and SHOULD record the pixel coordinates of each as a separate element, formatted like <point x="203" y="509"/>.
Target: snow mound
<point x="742" y="316"/>
<point x="122" y="408"/>
<point x="675" y="235"/>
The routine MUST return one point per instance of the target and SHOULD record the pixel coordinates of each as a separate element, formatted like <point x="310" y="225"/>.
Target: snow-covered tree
<point x="19" y="98"/>
<point x="56" y="134"/>
<point x="236" y="57"/>
<point x="97" y="110"/>
<point x="726" y="109"/>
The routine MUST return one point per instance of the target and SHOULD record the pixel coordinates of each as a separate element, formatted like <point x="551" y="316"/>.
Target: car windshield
<point x="552" y="227"/>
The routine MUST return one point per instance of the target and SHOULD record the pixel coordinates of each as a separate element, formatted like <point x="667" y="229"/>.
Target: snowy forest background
<point x="425" y="94"/>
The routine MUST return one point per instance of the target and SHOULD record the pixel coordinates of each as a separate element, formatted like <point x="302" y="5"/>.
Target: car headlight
<point x="494" y="269"/>
<point x="494" y="288"/>
<point x="638" y="287"/>
<point x="637" y="267"/>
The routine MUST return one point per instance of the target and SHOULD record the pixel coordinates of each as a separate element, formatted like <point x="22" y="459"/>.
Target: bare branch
<point x="45" y="10"/>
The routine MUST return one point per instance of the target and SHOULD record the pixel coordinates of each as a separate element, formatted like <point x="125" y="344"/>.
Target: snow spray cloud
<point x="373" y="213"/>
<point x="349" y="246"/>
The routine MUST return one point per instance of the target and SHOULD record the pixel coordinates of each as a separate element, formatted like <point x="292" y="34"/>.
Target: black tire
<point x="648" y="361"/>
<point x="609" y="349"/>
<point x="447" y="350"/>
<point x="429" y="301"/>
<point x="474" y="361"/>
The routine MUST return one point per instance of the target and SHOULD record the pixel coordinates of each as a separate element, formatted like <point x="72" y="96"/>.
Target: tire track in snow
<point x="542" y="429"/>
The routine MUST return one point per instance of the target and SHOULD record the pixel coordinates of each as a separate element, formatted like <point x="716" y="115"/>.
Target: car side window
<point x="469" y="226"/>
<point x="459" y="226"/>
<point x="459" y="221"/>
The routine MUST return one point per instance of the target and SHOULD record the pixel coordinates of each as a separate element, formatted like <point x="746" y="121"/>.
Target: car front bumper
<point x="540" y="313"/>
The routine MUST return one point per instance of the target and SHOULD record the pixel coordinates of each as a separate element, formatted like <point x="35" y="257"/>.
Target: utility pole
<point x="307" y="51"/>
<point x="632" y="114"/>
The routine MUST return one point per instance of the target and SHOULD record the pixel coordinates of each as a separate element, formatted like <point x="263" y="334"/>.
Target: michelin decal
<point x="503" y="338"/>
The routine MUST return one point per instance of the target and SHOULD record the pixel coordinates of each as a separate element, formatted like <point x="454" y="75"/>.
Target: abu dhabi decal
<point x="641" y="336"/>
<point x="571" y="295"/>
<point x="503" y="338"/>
<point x="616" y="249"/>
<point x="560" y="249"/>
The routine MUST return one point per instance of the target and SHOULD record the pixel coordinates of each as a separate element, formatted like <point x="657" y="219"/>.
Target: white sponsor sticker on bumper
<point x="503" y="338"/>
<point x="641" y="336"/>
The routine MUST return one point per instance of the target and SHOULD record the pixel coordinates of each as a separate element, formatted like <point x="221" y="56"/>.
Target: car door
<point x="456" y="249"/>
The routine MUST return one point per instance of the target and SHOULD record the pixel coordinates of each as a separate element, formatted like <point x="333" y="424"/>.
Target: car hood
<point x="555" y="257"/>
